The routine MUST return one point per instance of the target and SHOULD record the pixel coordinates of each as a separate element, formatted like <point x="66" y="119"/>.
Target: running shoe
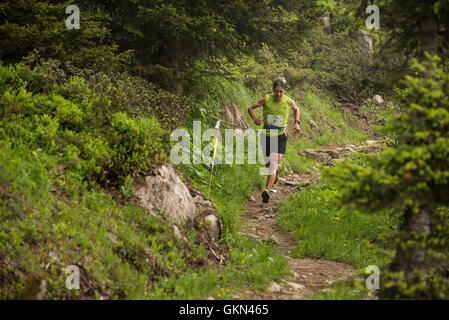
<point x="265" y="196"/>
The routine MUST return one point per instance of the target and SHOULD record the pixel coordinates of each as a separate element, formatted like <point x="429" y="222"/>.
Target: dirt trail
<point x="309" y="275"/>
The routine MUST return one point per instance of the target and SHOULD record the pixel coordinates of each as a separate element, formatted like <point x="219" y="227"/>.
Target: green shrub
<point x="411" y="177"/>
<point x="136" y="141"/>
<point x="72" y="121"/>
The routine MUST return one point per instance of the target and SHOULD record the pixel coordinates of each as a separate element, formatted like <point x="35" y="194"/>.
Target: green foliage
<point x="411" y="177"/>
<point x="251" y="264"/>
<point x="75" y="123"/>
<point x="354" y="289"/>
<point x="333" y="128"/>
<point x="342" y="235"/>
<point x="120" y="249"/>
<point x="136" y="141"/>
<point x="416" y="169"/>
<point x="133" y="95"/>
<point x="169" y="34"/>
<point x="329" y="62"/>
<point x="40" y="25"/>
<point x="59" y="135"/>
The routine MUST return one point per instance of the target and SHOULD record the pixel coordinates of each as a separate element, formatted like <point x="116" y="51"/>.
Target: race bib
<point x="275" y="121"/>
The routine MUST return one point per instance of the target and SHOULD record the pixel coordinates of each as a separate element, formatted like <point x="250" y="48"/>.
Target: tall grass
<point x="333" y="128"/>
<point x="324" y="232"/>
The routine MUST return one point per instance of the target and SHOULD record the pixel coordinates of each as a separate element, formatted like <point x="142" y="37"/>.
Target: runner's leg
<point x="274" y="159"/>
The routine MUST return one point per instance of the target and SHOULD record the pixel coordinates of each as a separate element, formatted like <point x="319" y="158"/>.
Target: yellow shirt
<point x="275" y="113"/>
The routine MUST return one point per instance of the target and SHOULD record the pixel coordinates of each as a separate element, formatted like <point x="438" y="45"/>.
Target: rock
<point x="214" y="225"/>
<point x="273" y="239"/>
<point x="371" y="146"/>
<point x="326" y="23"/>
<point x="167" y="194"/>
<point x="330" y="163"/>
<point x="295" y="286"/>
<point x="346" y="151"/>
<point x="364" y="39"/>
<point x="291" y="182"/>
<point x="112" y="237"/>
<point x="313" y="124"/>
<point x="202" y="202"/>
<point x="274" y="287"/>
<point x="378" y="99"/>
<point x="315" y="154"/>
<point x="370" y="143"/>
<point x="178" y="234"/>
<point x="53" y="256"/>
<point x="210" y="298"/>
<point x="282" y="180"/>
<point x="332" y="153"/>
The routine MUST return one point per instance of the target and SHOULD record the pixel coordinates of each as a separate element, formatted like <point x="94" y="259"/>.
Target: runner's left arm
<point x="296" y="110"/>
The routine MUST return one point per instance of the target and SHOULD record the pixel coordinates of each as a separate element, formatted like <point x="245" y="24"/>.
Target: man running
<point x="274" y="141"/>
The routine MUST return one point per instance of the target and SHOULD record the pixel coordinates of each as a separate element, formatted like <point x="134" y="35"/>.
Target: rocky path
<point x="308" y="275"/>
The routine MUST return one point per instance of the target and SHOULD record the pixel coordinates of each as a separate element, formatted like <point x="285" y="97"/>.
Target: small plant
<point x="127" y="188"/>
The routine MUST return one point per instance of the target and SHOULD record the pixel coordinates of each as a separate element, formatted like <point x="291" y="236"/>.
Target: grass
<point x="233" y="184"/>
<point x="324" y="232"/>
<point x="354" y="289"/>
<point x="124" y="252"/>
<point x="334" y="128"/>
<point x="252" y="265"/>
<point x="48" y="209"/>
<point x="144" y="261"/>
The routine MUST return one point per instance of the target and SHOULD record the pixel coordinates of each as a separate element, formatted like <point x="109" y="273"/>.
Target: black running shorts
<point x="269" y="144"/>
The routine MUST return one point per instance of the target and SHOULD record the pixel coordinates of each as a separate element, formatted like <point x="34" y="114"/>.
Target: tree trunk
<point x="428" y="35"/>
<point x="412" y="257"/>
<point x="176" y="66"/>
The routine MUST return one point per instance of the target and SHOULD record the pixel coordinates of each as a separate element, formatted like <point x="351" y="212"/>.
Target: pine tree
<point x="412" y="177"/>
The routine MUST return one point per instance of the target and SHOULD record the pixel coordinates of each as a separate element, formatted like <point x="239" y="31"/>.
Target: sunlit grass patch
<point x="324" y="232"/>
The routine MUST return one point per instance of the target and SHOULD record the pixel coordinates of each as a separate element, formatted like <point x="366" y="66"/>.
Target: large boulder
<point x="165" y="193"/>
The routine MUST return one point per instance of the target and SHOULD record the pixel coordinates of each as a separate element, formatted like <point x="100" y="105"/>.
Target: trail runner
<point x="274" y="140"/>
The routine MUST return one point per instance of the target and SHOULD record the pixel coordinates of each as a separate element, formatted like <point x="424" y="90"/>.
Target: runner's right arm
<point x="256" y="105"/>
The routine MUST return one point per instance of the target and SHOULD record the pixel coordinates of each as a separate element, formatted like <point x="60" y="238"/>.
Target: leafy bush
<point x="69" y="119"/>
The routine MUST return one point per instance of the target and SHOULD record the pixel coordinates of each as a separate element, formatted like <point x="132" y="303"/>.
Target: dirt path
<point x="309" y="275"/>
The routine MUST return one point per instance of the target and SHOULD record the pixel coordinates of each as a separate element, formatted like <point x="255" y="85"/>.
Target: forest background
<point x="84" y="111"/>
